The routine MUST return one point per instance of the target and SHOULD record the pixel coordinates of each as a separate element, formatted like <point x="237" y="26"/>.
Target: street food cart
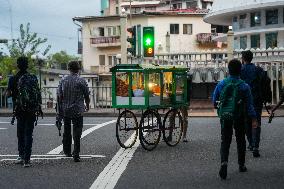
<point x="148" y="88"/>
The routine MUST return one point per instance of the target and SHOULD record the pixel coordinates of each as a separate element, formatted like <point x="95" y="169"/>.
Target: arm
<point x="10" y="87"/>
<point x="216" y="93"/>
<point x="250" y="108"/>
<point x="86" y="94"/>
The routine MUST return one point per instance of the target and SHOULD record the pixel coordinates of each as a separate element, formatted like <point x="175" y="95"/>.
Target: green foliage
<point x="27" y="44"/>
<point x="60" y="60"/>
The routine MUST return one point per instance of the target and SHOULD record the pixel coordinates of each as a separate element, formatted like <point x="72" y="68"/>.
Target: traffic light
<point x="132" y="40"/>
<point x="148" y="41"/>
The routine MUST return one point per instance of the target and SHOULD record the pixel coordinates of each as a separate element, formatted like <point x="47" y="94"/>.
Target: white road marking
<point x="48" y="155"/>
<point x="5" y="122"/>
<point x="3" y="128"/>
<point x="112" y="172"/>
<point x="52" y="157"/>
<point x="59" y="149"/>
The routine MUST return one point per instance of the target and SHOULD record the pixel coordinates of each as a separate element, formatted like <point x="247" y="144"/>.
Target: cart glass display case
<point x="138" y="86"/>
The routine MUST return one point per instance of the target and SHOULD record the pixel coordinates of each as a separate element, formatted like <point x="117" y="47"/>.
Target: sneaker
<point x="76" y="159"/>
<point x="20" y="161"/>
<point x="223" y="171"/>
<point x="256" y="154"/>
<point x="243" y="168"/>
<point x="27" y="164"/>
<point x="184" y="139"/>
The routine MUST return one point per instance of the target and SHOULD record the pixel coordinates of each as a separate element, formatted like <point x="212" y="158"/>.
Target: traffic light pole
<point x="123" y="38"/>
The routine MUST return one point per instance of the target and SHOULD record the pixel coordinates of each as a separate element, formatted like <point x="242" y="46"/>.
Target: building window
<point x="236" y="43"/>
<point x="243" y="42"/>
<point x="109" y="31"/>
<point x="271" y="17"/>
<point x="177" y="6"/>
<point x="271" y="40"/>
<point x="150" y="8"/>
<point x="187" y="29"/>
<point x="242" y="22"/>
<point x="116" y="10"/>
<point x="255" y="19"/>
<point x="114" y="30"/>
<point x="191" y="4"/>
<point x="255" y="41"/>
<point x="101" y="32"/>
<point x="204" y="5"/>
<point x="110" y="60"/>
<point x="235" y="23"/>
<point x="102" y="60"/>
<point x="114" y="60"/>
<point x="174" y="28"/>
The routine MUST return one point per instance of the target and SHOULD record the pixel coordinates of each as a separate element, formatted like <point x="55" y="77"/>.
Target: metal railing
<point x="100" y="97"/>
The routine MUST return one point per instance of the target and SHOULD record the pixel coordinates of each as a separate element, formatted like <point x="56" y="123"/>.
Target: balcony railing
<point x="206" y="37"/>
<point x="105" y="41"/>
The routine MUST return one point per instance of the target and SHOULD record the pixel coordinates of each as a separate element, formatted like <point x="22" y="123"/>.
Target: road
<point x="105" y="165"/>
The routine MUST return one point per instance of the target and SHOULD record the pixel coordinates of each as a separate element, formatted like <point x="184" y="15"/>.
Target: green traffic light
<point x="148" y="41"/>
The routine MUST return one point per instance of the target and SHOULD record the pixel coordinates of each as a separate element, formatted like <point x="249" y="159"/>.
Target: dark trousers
<point x="226" y="139"/>
<point x="77" y="132"/>
<point x="25" y="127"/>
<point x="253" y="134"/>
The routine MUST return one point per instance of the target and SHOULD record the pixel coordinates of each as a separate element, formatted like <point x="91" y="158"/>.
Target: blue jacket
<point x="244" y="88"/>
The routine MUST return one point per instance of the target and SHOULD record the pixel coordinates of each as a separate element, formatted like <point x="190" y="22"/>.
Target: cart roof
<point x="136" y="67"/>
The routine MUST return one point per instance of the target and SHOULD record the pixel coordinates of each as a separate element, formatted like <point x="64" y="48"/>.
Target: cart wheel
<point x="150" y="130"/>
<point x="172" y="127"/>
<point x="126" y="127"/>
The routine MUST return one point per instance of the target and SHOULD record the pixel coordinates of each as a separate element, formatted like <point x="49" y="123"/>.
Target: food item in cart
<point x="121" y="88"/>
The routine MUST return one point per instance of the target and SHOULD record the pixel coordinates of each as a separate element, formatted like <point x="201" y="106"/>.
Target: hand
<point x="87" y="107"/>
<point x="254" y="123"/>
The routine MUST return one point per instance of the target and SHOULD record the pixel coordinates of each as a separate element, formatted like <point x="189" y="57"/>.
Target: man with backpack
<point x="26" y="95"/>
<point x="257" y="79"/>
<point x="73" y="91"/>
<point x="232" y="97"/>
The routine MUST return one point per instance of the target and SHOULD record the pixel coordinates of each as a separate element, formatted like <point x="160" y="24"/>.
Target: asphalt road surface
<point x="105" y="165"/>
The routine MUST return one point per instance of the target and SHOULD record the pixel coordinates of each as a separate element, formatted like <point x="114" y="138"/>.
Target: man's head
<point x="247" y="56"/>
<point x="74" y="66"/>
<point x="23" y="63"/>
<point x="235" y="67"/>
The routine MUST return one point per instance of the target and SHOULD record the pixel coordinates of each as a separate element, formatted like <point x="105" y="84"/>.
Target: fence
<point x="100" y="97"/>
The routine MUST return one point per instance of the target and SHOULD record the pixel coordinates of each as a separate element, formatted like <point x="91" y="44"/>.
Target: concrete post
<point x="230" y="41"/>
<point x="123" y="38"/>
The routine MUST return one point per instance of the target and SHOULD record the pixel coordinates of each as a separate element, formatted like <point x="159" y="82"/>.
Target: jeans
<point x="77" y="132"/>
<point x="226" y="139"/>
<point x="253" y="134"/>
<point x="25" y="127"/>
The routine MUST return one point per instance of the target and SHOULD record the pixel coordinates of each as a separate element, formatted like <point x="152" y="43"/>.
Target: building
<point x="256" y="23"/>
<point x="175" y="32"/>
<point x="113" y="7"/>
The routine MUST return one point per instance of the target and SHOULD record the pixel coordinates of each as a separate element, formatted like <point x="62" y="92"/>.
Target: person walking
<point x="231" y="97"/>
<point x="253" y="75"/>
<point x="184" y="109"/>
<point x="26" y="95"/>
<point x="73" y="91"/>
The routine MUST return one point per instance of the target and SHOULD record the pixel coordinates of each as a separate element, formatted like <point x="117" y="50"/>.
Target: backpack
<point x="261" y="88"/>
<point x="230" y="106"/>
<point x="29" y="96"/>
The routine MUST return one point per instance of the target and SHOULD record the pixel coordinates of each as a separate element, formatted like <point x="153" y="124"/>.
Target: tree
<point x="60" y="60"/>
<point x="27" y="44"/>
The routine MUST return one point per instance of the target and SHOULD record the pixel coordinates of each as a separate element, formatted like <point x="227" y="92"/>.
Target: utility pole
<point x="230" y="42"/>
<point x="123" y="37"/>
